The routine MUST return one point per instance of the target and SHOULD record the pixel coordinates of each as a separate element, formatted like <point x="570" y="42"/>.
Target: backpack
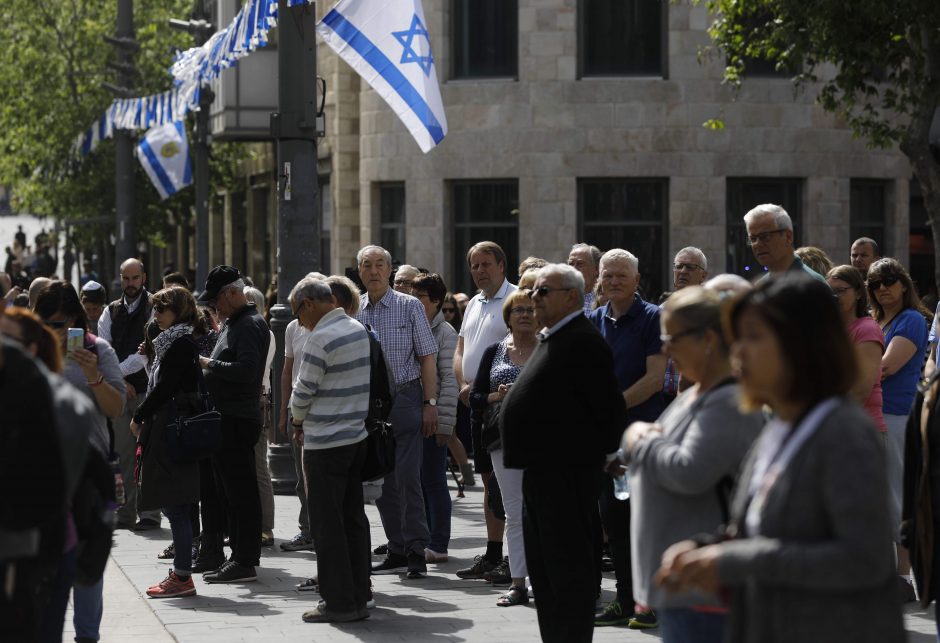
<point x="380" y="383"/>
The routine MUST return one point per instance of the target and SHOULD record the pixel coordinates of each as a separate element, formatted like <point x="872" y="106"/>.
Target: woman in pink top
<point x="852" y="298"/>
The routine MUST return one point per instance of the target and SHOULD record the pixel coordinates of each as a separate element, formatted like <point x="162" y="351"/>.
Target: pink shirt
<point x="866" y="329"/>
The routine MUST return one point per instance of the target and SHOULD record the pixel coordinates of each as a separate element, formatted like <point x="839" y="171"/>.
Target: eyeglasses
<point x="887" y="281"/>
<point x="543" y="291"/>
<point x="669" y="340"/>
<point x="522" y="310"/>
<point x="686" y="266"/>
<point x="55" y="323"/>
<point x="838" y="292"/>
<point x="763" y="237"/>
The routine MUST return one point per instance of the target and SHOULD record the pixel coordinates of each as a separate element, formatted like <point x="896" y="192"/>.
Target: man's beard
<point x="131" y="292"/>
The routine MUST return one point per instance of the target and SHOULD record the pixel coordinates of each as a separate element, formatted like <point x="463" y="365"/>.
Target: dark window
<point x="392" y="220"/>
<point x="744" y="194"/>
<point x="485" y="37"/>
<point x="484" y="211"/>
<point x="326" y="223"/>
<point x="867" y="207"/>
<point x="921" y="243"/>
<point x="621" y="37"/>
<point x="629" y="214"/>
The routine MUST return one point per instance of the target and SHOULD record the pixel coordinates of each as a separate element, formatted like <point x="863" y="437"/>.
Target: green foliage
<point x="50" y="92"/>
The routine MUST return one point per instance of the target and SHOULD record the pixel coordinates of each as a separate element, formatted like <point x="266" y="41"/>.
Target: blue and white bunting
<point x="164" y="153"/>
<point x="387" y="43"/>
<point x="193" y="68"/>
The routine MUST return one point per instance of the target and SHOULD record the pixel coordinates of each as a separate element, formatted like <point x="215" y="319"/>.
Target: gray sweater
<point x="446" y="338"/>
<point x="673" y="483"/>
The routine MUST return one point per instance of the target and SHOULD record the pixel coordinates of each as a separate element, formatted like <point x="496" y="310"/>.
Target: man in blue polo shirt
<point x="631" y="327"/>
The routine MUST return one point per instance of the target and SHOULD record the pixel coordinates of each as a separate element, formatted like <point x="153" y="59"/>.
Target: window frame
<point x="663" y="73"/>
<point x="456" y="41"/>
<point x="461" y="280"/>
<point x="400" y="227"/>
<point x="734" y="216"/>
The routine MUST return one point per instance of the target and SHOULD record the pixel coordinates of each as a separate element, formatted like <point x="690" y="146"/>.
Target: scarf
<point x="161" y="344"/>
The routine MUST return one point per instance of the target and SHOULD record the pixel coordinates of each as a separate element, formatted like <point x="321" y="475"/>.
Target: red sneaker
<point x="172" y="586"/>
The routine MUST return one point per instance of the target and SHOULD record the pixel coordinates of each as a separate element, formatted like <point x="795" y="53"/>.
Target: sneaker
<point x="309" y="585"/>
<point x="466" y="474"/>
<point x="499" y="575"/>
<point x="300" y="542"/>
<point x="612" y="615"/>
<point x="173" y="586"/>
<point x="320" y="614"/>
<point x="906" y="588"/>
<point x="267" y="539"/>
<point x="417" y="566"/>
<point x="432" y="556"/>
<point x="393" y="564"/>
<point x="231" y="572"/>
<point x="146" y="524"/>
<point x="168" y="553"/>
<point x="381" y="550"/>
<point x="481" y="565"/>
<point x="643" y="619"/>
<point x="206" y="562"/>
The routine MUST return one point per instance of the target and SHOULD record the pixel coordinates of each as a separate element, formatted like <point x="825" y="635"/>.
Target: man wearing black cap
<point x="233" y="376"/>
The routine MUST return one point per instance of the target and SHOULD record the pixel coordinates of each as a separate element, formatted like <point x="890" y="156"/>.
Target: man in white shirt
<point x="482" y="326"/>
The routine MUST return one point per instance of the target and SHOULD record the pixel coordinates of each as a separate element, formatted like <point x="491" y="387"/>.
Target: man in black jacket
<point x="233" y="376"/>
<point x="561" y="418"/>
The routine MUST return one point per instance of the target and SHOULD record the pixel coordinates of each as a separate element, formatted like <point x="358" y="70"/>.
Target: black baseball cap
<point x="218" y="278"/>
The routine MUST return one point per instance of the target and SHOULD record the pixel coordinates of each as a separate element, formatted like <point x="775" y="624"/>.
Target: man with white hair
<point x="770" y="233"/>
<point x="631" y="327"/>
<point x="559" y="420"/>
<point x="586" y="259"/>
<point x="689" y="268"/>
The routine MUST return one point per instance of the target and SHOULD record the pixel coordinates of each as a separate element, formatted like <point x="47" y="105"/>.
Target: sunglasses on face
<point x="55" y="324"/>
<point x="887" y="281"/>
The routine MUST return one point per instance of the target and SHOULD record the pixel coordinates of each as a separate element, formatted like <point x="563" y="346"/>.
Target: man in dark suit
<point x="561" y="418"/>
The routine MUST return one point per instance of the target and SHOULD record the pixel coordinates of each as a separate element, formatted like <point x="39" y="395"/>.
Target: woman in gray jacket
<point x="430" y="291"/>
<point x="807" y="555"/>
<point x="682" y="467"/>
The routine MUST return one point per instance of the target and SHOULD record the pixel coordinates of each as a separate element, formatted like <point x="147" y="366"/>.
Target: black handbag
<point x="197" y="436"/>
<point x="380" y="451"/>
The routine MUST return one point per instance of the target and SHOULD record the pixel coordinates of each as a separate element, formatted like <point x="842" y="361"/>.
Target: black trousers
<point x="234" y="468"/>
<point x="558" y="530"/>
<point x="212" y="510"/>
<point x="339" y="524"/>
<point x="615" y="515"/>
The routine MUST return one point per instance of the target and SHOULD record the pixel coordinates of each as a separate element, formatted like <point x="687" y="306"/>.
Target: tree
<point x="50" y="92"/>
<point x="876" y="64"/>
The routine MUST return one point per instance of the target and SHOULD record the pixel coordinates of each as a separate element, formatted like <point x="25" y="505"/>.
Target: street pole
<point x="201" y="29"/>
<point x="126" y="245"/>
<point x="294" y="128"/>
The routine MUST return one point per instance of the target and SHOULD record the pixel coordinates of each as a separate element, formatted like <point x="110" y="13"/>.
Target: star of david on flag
<point x="164" y="153"/>
<point x="387" y="43"/>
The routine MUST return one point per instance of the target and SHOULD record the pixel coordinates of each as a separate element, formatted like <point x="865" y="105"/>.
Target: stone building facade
<point x="559" y="150"/>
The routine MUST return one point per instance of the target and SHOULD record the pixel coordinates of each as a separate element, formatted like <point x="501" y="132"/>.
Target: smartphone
<point x="75" y="340"/>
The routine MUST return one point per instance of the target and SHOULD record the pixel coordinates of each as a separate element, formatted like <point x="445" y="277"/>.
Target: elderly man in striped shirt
<point x="329" y="406"/>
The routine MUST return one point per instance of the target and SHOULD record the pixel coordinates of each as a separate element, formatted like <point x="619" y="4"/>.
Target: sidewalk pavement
<point x="441" y="607"/>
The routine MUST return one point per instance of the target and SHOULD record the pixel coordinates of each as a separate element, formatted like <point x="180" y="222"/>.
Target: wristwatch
<point x="431" y="402"/>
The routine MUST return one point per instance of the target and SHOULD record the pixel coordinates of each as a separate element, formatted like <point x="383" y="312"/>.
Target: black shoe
<point x="231" y="572"/>
<point x="168" y="553"/>
<point x="381" y="550"/>
<point x="643" y="620"/>
<point x="417" y="566"/>
<point x="300" y="542"/>
<point x="499" y="575"/>
<point x="906" y="589"/>
<point x="480" y="567"/>
<point x="206" y="562"/>
<point x="393" y="564"/>
<point x="146" y="524"/>
<point x="607" y="561"/>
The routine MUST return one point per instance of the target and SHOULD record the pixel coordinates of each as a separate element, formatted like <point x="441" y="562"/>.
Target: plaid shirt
<point x="403" y="331"/>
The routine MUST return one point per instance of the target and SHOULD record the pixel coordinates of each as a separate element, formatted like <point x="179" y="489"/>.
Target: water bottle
<point x="622" y="485"/>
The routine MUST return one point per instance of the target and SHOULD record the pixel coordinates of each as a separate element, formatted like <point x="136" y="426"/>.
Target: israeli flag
<point x="387" y="43"/>
<point x="164" y="153"/>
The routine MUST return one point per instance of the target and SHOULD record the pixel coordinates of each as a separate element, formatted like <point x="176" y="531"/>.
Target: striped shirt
<point x="331" y="392"/>
<point x="403" y="329"/>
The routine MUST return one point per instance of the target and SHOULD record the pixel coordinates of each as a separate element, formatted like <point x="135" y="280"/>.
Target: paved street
<point x="439" y="608"/>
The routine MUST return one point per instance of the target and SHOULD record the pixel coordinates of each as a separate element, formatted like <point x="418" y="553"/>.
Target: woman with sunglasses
<point x="500" y="365"/>
<point x="682" y="467"/>
<point x="172" y="391"/>
<point x="93" y="369"/>
<point x="897" y="309"/>
<point x="806" y="554"/>
<point x="852" y="299"/>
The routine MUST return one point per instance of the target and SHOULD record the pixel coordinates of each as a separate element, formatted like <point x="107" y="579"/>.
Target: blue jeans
<point x="88" y="605"/>
<point x="682" y="625"/>
<point x="181" y="524"/>
<point x="437" y="505"/>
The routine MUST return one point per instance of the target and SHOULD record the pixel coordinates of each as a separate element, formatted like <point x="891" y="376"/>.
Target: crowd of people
<point x="754" y="461"/>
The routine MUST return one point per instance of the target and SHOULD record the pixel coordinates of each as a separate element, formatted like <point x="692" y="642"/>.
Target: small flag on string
<point x="164" y="153"/>
<point x="387" y="43"/>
